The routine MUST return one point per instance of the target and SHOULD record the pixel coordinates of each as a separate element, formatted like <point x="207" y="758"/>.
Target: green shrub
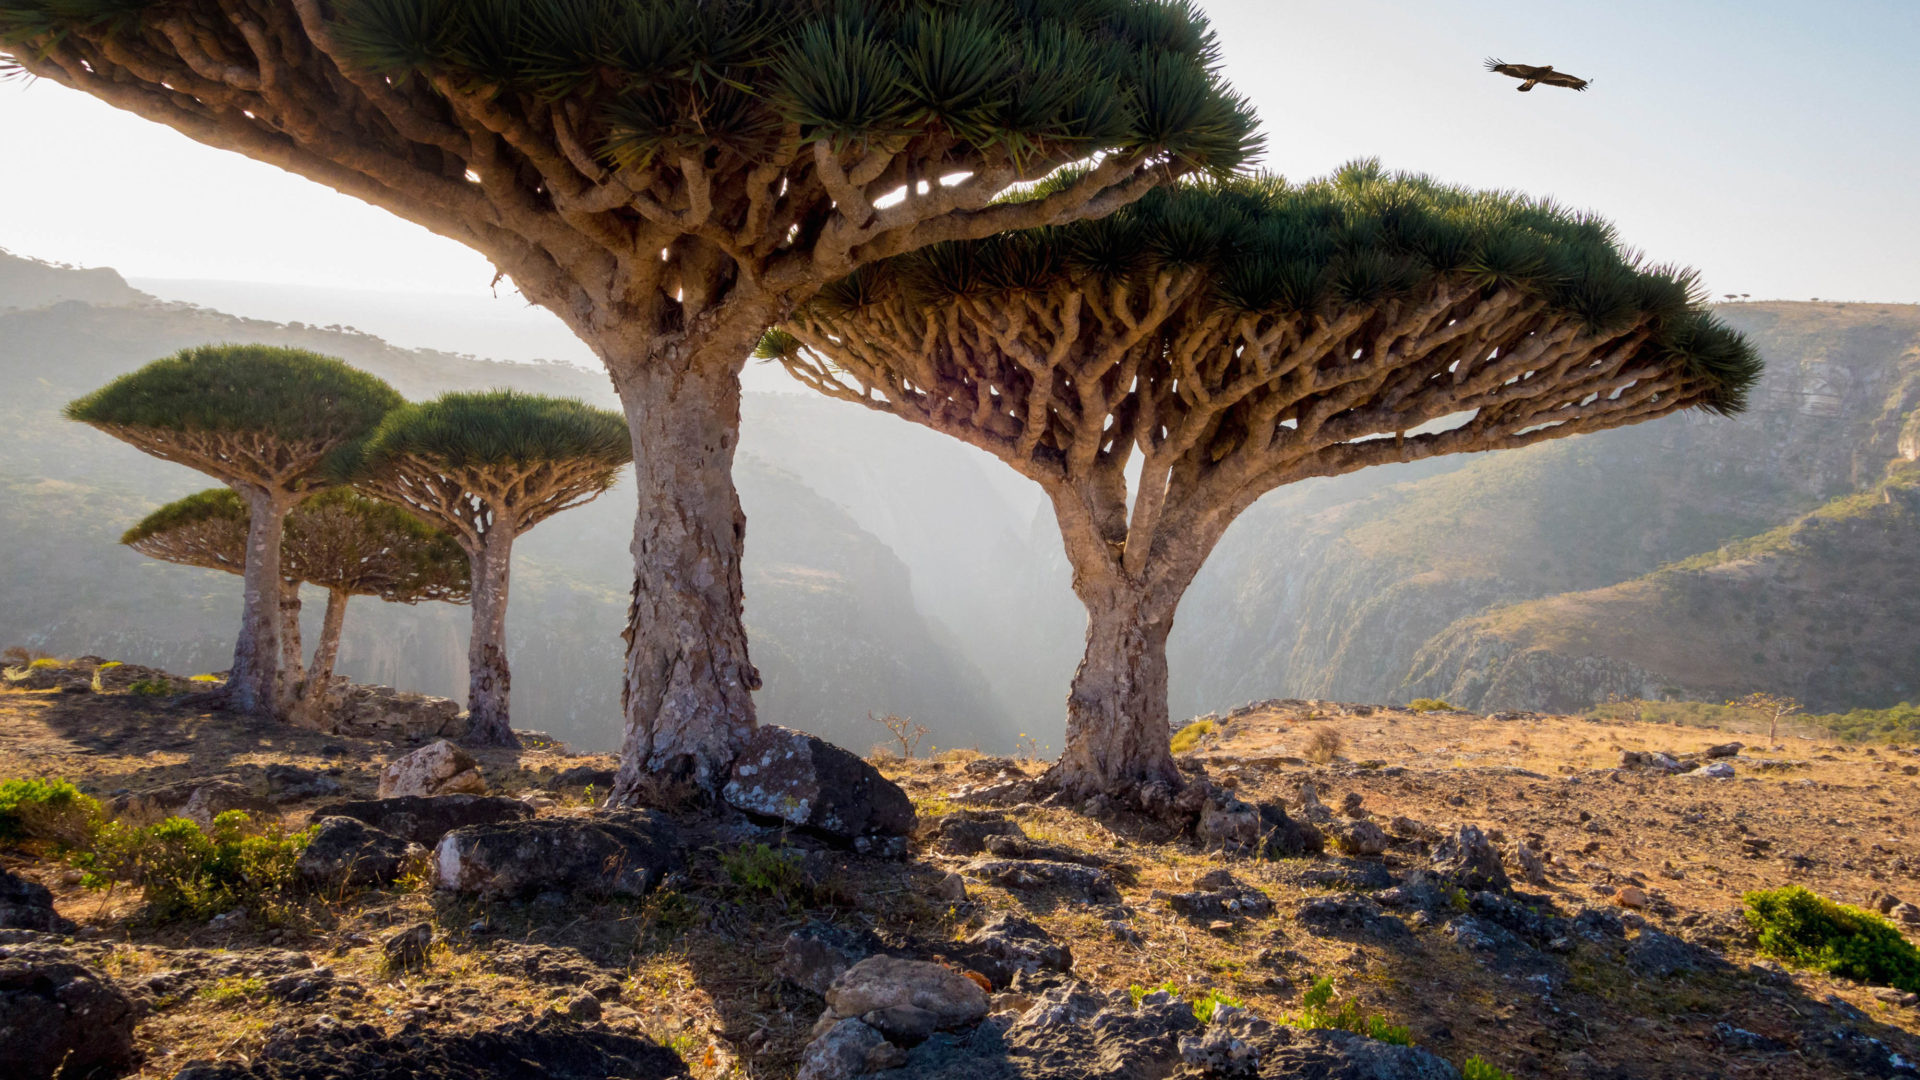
<point x="1188" y="737"/>
<point x="1431" y="704"/>
<point x="46" y="812"/>
<point x="1318" y="1013"/>
<point x="1136" y="991"/>
<point x="776" y="872"/>
<point x="188" y="872"/>
<point x="1205" y="1005"/>
<point x="150" y="687"/>
<point x="46" y="662"/>
<point x="1811" y="931"/>
<point x="1478" y="1068"/>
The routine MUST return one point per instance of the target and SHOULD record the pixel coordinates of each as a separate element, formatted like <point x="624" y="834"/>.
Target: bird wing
<point x="1561" y="78"/>
<point x="1517" y="71"/>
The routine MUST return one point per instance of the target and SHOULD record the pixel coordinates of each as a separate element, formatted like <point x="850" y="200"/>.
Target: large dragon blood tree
<point x="264" y="421"/>
<point x="486" y="467"/>
<point x="1157" y="371"/>
<point x="342" y="542"/>
<point x="670" y="177"/>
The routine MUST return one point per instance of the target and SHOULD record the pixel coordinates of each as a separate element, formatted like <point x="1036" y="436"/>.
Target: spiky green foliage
<point x="1363" y="236"/>
<point x="494" y="428"/>
<point x="336" y="540"/>
<point x="1808" y="930"/>
<point x="291" y="394"/>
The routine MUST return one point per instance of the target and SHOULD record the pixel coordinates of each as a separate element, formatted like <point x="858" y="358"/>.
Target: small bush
<point x="187" y="872"/>
<point x="1478" y="1068"/>
<point x="1324" y="745"/>
<point x="1189" y="737"/>
<point x="46" y="812"/>
<point x="1205" y="1005"/>
<point x="44" y="663"/>
<point x="1431" y="704"/>
<point x="776" y="872"/>
<point x="1318" y="1013"/>
<point x="150" y="688"/>
<point x="1811" y="931"/>
<point x="19" y="655"/>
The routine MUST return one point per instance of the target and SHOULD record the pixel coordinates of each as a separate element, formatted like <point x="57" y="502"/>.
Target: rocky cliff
<point x="1824" y="610"/>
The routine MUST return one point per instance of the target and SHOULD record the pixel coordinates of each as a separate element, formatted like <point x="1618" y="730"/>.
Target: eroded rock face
<point x="806" y="781"/>
<point x="616" y="853"/>
<point x="440" y="768"/>
<point x="1469" y="860"/>
<point x="381" y="712"/>
<point x="57" y="1013"/>
<point x="28" y="905"/>
<point x="547" y="1049"/>
<point x="348" y="852"/>
<point x="1011" y="945"/>
<point x="425" y="819"/>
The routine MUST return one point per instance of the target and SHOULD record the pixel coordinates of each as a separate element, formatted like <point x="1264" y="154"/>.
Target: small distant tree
<point x="1773" y="707"/>
<point x="903" y="730"/>
<point x="486" y="467"/>
<point x="342" y="542"/>
<point x="263" y="421"/>
<point x="1159" y="370"/>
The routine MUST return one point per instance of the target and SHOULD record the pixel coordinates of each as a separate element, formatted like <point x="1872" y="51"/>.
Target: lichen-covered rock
<point x="806" y="781"/>
<point x="425" y="819"/>
<point x="1026" y="875"/>
<point x="615" y="853"/>
<point x="1355" y="836"/>
<point x="1228" y="822"/>
<point x="1221" y="896"/>
<point x="439" y="768"/>
<point x="847" y="1049"/>
<point x="60" y="1017"/>
<point x="1350" y="913"/>
<point x="28" y="905"/>
<point x="345" y="852"/>
<point x="1469" y="860"/>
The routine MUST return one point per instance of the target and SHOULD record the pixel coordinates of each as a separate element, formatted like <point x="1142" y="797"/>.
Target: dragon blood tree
<point x="670" y="177"/>
<point x="344" y="543"/>
<point x="487" y="467"/>
<point x="1216" y="341"/>
<point x="263" y="421"/>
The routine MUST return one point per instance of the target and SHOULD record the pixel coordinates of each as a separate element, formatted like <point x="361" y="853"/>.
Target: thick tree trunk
<point x="487" y="678"/>
<point x="1117" y="731"/>
<point x="253" y="685"/>
<point x="320" y="675"/>
<point x="688" y="691"/>
<point x="291" y="652"/>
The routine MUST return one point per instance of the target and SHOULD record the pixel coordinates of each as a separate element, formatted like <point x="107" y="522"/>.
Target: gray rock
<point x="554" y="965"/>
<point x="849" y="1048"/>
<point x="1010" y="945"/>
<point x="581" y="777"/>
<point x="1723" y="750"/>
<point x="216" y="797"/>
<point x="1228" y="822"/>
<point x="1719" y="770"/>
<point x="1342" y="1055"/>
<point x="28" y="905"/>
<point x="1349" y="913"/>
<point x="407" y="949"/>
<point x="806" y="781"/>
<point x="1283" y="837"/>
<point x="1355" y="836"/>
<point x="880" y="983"/>
<point x="439" y="768"/>
<point x="58" y="1016"/>
<point x="614" y="853"/>
<point x="1221" y="896"/>
<point x="1028" y="875"/>
<point x="1533" y="869"/>
<point x="1071" y="1032"/>
<point x="819" y="953"/>
<point x="345" y="852"/>
<point x="1469" y="860"/>
<point x="397" y="716"/>
<point x="1664" y="956"/>
<point x="425" y="819"/>
<point x="966" y="832"/>
<point x="291" y="783"/>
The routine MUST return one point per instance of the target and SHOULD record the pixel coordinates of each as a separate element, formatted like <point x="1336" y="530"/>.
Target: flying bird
<point x="1531" y="76"/>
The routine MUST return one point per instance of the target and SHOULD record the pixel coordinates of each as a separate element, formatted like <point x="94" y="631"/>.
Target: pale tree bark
<point x="327" y="650"/>
<point x="1117" y="737"/>
<point x="488" y="681"/>
<point x="253" y="684"/>
<point x="291" y="651"/>
<point x="688" y="690"/>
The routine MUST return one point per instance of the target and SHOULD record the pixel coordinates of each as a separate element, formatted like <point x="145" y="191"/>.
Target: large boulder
<point x="347" y="852"/>
<point x="59" y="1016"/>
<point x="28" y="905"/>
<point x="616" y="853"/>
<point x="381" y="712"/>
<point x="806" y="781"/>
<point x="905" y="1000"/>
<point x="425" y="819"/>
<point x="216" y="797"/>
<point x="1010" y="946"/>
<point x="439" y="768"/>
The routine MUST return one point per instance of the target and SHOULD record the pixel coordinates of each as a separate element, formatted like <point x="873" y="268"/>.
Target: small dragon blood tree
<point x="342" y="542"/>
<point x="264" y="421"/>
<point x="487" y="467"/>
<point x="1157" y="371"/>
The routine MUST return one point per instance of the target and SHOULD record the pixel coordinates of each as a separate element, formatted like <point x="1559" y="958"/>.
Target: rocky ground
<point x="1502" y="887"/>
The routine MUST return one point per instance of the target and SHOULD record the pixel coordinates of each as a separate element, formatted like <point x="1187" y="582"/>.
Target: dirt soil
<point x="692" y="967"/>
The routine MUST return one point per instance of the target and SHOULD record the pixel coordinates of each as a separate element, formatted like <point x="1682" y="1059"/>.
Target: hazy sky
<point x="1769" y="143"/>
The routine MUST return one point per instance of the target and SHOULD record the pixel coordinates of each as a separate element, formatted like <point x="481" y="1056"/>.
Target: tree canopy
<point x="293" y="394"/>
<point x="336" y="540"/>
<point x="495" y="428"/>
